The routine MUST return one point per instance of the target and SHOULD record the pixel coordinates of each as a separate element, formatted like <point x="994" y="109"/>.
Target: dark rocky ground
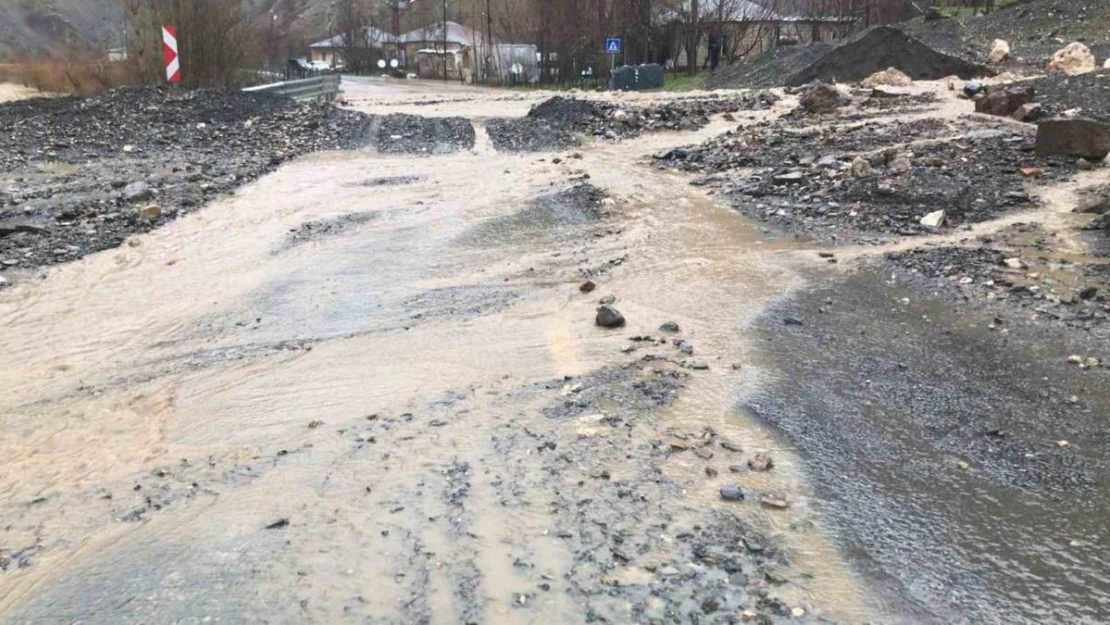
<point x="810" y="183"/>
<point x="1090" y="93"/>
<point x="1035" y="29"/>
<point x="559" y="123"/>
<point x="959" y="454"/>
<point x="75" y="173"/>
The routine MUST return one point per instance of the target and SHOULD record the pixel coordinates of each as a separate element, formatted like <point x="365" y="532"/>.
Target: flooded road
<point x="370" y="388"/>
<point x="366" y="389"/>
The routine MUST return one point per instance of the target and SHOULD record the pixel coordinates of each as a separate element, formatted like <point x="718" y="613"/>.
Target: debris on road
<point x="609" y="317"/>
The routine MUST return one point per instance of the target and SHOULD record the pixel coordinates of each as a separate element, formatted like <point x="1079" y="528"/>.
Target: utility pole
<point x="445" y="39"/>
<point x="489" y="41"/>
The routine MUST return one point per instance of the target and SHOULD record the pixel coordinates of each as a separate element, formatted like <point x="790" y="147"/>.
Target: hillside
<point x="33" y="27"/>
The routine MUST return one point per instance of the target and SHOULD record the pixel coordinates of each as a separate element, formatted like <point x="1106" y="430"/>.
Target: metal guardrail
<point x="323" y="88"/>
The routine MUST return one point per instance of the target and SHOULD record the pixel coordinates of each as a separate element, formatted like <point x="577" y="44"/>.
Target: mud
<point x="934" y="429"/>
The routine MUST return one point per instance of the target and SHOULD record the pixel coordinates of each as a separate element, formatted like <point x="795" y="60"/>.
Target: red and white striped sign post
<point x="169" y="53"/>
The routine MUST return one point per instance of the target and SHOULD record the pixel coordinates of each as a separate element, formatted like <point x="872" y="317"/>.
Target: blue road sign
<point x="613" y="45"/>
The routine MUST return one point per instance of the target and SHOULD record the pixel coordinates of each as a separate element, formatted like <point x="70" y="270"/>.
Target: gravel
<point x="412" y="134"/>
<point x="74" y="173"/>
<point x="559" y="123"/>
<point x="1088" y="92"/>
<point x="768" y="70"/>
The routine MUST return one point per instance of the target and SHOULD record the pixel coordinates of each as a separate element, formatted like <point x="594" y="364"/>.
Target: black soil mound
<point x="880" y="48"/>
<point x="558" y="123"/>
<point x="768" y="70"/>
<point x="412" y="134"/>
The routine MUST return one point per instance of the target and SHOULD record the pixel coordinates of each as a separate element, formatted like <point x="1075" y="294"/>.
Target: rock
<point x="1079" y="137"/>
<point x="791" y="321"/>
<point x="1005" y="102"/>
<point x="775" y="503"/>
<point x="889" y="77"/>
<point x="696" y="365"/>
<point x="1000" y="50"/>
<point x="793" y="177"/>
<point x="973" y="88"/>
<point x="1032" y="172"/>
<point x="1073" y="59"/>
<point x="1106" y="65"/>
<point x="608" y="300"/>
<point x="933" y="14"/>
<point x="934" y="219"/>
<point x="1029" y="112"/>
<point x="861" y="168"/>
<point x="732" y="493"/>
<point x="1094" y="201"/>
<point x="608" y="317"/>
<point x="819" y="97"/>
<point x="137" y="192"/>
<point x="1089" y="293"/>
<point x="619" y="115"/>
<point x="1075" y="359"/>
<point x="900" y="164"/>
<point x="587" y="286"/>
<point x="670" y="326"/>
<point x="1014" y="263"/>
<point x="761" y="462"/>
<point x="4" y="282"/>
<point x="150" y="212"/>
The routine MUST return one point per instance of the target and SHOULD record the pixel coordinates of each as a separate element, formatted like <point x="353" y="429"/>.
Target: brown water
<point x="164" y="402"/>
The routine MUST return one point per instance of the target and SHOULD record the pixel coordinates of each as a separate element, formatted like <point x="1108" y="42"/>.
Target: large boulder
<point x="1073" y="59"/>
<point x="1005" y="102"/>
<point x="819" y="97"/>
<point x="889" y="77"/>
<point x="1077" y="137"/>
<point x="1000" y="51"/>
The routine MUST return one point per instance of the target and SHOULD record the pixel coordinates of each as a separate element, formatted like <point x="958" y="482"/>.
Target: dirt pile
<point x="870" y="179"/>
<point x="76" y="172"/>
<point x="879" y="49"/>
<point x="412" y="134"/>
<point x="768" y="70"/>
<point x="559" y="122"/>
<point x="1035" y="31"/>
<point x="773" y="145"/>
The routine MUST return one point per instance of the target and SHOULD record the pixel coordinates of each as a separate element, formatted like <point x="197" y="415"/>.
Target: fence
<point x="321" y="88"/>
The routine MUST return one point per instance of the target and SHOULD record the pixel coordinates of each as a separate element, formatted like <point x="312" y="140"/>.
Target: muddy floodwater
<point x="369" y="388"/>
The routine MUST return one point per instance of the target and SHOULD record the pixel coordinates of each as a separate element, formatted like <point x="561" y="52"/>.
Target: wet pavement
<point x="369" y="388"/>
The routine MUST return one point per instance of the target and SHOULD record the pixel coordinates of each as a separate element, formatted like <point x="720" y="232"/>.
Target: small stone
<point x="710" y="472"/>
<point x="860" y="168"/>
<point x="963" y="465"/>
<point x="798" y="612"/>
<point x="1032" y="172"/>
<point x="696" y="365"/>
<point x="934" y="219"/>
<point x="775" y="503"/>
<point x="1092" y="362"/>
<point x="1062" y="444"/>
<point x="137" y="192"/>
<point x="974" y="88"/>
<point x="761" y="463"/>
<point x="587" y="286"/>
<point x="150" y="212"/>
<point x="732" y="493"/>
<point x="4" y="282"/>
<point x="1075" y="360"/>
<point x="791" y="321"/>
<point x="608" y="300"/>
<point x="670" y="326"/>
<point x="609" y="317"/>
<point x="1014" y="263"/>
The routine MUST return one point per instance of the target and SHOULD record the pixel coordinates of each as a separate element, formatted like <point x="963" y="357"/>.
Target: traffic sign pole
<point x="169" y="53"/>
<point x="612" y="48"/>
